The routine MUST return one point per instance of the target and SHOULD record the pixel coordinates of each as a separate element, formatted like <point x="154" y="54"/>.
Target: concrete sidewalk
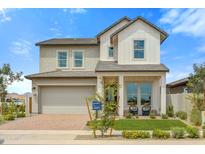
<point x="82" y="137"/>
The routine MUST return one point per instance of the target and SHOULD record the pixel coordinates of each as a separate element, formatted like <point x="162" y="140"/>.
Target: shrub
<point x="128" y="116"/>
<point x="9" y="117"/>
<point x="101" y="125"/>
<point x="5" y="108"/>
<point x="178" y="132"/>
<point x="153" y="114"/>
<point x="135" y="134"/>
<point x="164" y="116"/>
<point x="203" y="127"/>
<point x="195" y="117"/>
<point x="22" y="108"/>
<point x="9" y="108"/>
<point x="1" y="119"/>
<point x="170" y="111"/>
<point x="192" y="132"/>
<point x="12" y="108"/>
<point x="182" y="115"/>
<point x="21" y="114"/>
<point x="161" y="134"/>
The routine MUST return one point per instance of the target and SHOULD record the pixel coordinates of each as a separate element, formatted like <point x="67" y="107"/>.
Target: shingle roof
<point x="112" y="25"/>
<point x="69" y="41"/>
<point x="178" y="82"/>
<point x="147" y="22"/>
<point x="111" y="66"/>
<point x="61" y="73"/>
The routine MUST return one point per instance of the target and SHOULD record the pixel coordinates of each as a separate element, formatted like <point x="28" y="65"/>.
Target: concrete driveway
<point x="47" y="122"/>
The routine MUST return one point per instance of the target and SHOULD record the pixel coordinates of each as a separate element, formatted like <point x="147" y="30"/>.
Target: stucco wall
<point x="180" y="102"/>
<point x="105" y="42"/>
<point x="48" y="61"/>
<point x="139" y="30"/>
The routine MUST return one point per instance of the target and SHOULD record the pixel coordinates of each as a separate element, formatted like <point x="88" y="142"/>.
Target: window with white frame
<point x="62" y="59"/>
<point x="78" y="58"/>
<point x="111" y="52"/>
<point x="139" y="49"/>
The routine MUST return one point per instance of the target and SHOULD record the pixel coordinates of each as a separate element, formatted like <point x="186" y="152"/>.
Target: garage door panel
<point x="65" y="99"/>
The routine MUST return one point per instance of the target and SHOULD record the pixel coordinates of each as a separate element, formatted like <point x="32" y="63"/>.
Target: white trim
<point x="67" y="61"/>
<point x="66" y="84"/>
<point x="158" y="74"/>
<point x="73" y="60"/>
<point x="138" y="39"/>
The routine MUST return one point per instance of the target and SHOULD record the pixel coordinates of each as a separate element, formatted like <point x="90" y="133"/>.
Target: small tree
<point x="7" y="77"/>
<point x="197" y="81"/>
<point x="197" y="84"/>
<point x="109" y="109"/>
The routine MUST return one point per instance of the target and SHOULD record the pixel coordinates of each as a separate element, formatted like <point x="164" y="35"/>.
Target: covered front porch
<point x="137" y="88"/>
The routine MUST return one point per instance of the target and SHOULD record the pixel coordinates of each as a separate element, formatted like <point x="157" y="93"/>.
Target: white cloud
<point x="78" y="11"/>
<point x="21" y="47"/>
<point x="169" y="16"/>
<point x="187" y="21"/>
<point x="20" y="87"/>
<point x="55" y="31"/>
<point x="3" y="15"/>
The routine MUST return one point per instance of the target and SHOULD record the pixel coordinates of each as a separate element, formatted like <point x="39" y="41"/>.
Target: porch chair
<point x="146" y="110"/>
<point x="133" y="109"/>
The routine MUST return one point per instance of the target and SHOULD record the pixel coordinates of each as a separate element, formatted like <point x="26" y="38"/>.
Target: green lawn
<point x="147" y="124"/>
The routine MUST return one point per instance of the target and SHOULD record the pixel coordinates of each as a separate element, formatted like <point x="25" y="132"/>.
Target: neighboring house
<point x="179" y="86"/>
<point x="72" y="69"/>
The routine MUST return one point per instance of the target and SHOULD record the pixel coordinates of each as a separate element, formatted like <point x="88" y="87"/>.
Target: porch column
<point x="163" y="93"/>
<point x="100" y="85"/>
<point x="121" y="95"/>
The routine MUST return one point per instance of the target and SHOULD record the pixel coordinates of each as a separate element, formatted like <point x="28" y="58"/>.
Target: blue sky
<point x="20" y="29"/>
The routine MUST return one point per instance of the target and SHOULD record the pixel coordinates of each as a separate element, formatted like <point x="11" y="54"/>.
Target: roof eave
<point x="112" y="25"/>
<point x="165" y="34"/>
<point x="97" y="44"/>
<point x="132" y="71"/>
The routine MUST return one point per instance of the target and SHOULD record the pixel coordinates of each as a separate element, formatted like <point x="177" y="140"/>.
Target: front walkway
<point x="47" y="122"/>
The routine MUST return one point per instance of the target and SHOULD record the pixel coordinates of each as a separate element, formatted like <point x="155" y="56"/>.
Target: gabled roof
<point x="163" y="33"/>
<point x="112" y="66"/>
<point x="69" y="41"/>
<point x="62" y="74"/>
<point x="113" y="25"/>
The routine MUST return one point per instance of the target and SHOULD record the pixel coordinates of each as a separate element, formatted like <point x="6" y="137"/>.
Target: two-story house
<point x="72" y="69"/>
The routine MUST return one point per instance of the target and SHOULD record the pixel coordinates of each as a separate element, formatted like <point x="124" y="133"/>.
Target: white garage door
<point x="65" y="99"/>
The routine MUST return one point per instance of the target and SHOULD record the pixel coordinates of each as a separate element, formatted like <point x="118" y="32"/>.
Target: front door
<point x="139" y="93"/>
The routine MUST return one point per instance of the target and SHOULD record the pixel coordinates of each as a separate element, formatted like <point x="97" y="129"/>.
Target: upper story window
<point x="139" y="49"/>
<point x="62" y="59"/>
<point x="111" y="52"/>
<point x="78" y="58"/>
